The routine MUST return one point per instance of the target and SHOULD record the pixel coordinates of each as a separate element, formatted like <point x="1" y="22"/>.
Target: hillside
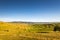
<point x="28" y="30"/>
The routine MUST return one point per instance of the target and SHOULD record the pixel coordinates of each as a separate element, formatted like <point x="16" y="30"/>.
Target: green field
<point x="28" y="31"/>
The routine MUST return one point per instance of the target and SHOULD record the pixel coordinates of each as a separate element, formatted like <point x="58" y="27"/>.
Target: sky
<point x="30" y="10"/>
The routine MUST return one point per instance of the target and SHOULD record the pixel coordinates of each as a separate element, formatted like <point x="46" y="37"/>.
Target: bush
<point x="56" y="28"/>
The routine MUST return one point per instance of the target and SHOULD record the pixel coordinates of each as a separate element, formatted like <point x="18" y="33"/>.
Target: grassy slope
<point x="22" y="31"/>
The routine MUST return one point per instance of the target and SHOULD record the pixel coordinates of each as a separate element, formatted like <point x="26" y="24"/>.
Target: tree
<point x="56" y="28"/>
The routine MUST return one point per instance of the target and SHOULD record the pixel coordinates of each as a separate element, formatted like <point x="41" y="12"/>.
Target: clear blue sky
<point x="30" y="10"/>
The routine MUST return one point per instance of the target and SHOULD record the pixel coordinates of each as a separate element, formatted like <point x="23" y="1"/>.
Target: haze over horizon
<point x="30" y="10"/>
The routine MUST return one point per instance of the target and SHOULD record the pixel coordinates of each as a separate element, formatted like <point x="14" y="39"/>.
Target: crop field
<point x="26" y="31"/>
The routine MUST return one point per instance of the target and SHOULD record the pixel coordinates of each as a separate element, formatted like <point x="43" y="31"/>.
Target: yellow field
<point x="23" y="31"/>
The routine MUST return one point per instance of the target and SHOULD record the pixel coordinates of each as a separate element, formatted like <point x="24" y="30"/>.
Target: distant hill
<point x="35" y="22"/>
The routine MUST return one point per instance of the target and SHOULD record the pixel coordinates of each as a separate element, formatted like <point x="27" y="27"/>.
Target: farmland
<point x="28" y="31"/>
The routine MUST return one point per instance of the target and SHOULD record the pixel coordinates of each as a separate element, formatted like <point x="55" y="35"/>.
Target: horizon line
<point x="29" y="21"/>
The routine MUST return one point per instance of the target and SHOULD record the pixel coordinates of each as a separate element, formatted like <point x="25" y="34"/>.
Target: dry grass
<point x="43" y="36"/>
<point x="21" y="31"/>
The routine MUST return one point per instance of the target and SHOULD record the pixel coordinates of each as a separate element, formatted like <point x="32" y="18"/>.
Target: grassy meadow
<point x="28" y="31"/>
